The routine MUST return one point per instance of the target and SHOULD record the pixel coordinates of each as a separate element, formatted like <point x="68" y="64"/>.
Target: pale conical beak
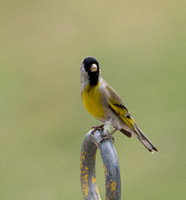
<point x="93" y="68"/>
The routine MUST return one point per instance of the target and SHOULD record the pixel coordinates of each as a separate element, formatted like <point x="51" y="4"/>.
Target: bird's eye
<point x="93" y="68"/>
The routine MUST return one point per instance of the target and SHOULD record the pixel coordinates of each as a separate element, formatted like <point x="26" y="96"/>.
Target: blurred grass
<point x="141" y="49"/>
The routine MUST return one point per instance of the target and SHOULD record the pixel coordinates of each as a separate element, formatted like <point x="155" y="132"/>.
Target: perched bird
<point x="102" y="101"/>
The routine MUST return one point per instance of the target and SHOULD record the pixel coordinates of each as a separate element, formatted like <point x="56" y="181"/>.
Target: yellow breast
<point x="92" y="101"/>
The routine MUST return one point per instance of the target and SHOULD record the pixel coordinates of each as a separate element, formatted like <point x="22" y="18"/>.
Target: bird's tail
<point x="144" y="140"/>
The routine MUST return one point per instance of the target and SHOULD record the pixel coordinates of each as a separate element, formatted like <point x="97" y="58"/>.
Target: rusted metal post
<point x="110" y="164"/>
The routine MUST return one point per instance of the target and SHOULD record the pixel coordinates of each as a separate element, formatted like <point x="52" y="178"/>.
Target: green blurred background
<point x="141" y="49"/>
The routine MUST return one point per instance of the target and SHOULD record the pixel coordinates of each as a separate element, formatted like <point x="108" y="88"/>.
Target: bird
<point x="103" y="103"/>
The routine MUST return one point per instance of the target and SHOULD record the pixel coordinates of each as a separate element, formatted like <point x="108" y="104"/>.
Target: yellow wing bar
<point x="121" y="111"/>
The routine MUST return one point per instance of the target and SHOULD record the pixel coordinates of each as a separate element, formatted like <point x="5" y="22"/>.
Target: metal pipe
<point x="110" y="164"/>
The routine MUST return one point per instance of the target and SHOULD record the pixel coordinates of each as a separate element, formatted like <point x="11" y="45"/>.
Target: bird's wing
<point x="117" y="106"/>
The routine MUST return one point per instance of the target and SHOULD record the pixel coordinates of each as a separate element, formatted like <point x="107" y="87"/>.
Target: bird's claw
<point x="96" y="128"/>
<point x="106" y="137"/>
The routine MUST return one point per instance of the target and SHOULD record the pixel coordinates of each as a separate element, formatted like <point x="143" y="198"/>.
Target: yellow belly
<point x="92" y="101"/>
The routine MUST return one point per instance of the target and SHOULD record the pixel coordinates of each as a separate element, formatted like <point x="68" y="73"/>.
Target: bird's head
<point x="90" y="71"/>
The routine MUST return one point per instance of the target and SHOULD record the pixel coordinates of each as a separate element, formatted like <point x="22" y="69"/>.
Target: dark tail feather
<point x="128" y="134"/>
<point x="144" y="140"/>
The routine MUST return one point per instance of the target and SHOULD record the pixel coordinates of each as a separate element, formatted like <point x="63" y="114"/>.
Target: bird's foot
<point x="96" y="128"/>
<point x="107" y="137"/>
